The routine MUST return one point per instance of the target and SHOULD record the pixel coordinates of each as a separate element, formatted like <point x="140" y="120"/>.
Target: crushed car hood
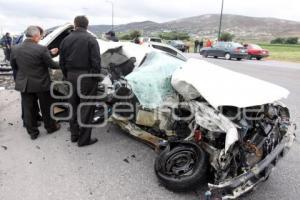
<point x="223" y="87"/>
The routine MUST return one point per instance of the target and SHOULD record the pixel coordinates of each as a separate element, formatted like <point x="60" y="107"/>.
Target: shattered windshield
<point x="151" y="82"/>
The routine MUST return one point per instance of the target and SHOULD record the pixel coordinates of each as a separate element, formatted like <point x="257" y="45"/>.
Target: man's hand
<point x="54" y="51"/>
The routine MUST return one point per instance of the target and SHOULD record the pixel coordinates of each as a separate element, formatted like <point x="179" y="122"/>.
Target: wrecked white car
<point x="208" y="124"/>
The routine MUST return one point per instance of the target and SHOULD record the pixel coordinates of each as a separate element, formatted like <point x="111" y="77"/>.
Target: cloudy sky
<point x="16" y="15"/>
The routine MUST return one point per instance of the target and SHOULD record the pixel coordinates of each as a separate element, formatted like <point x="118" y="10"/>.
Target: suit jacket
<point x="31" y="62"/>
<point x="80" y="51"/>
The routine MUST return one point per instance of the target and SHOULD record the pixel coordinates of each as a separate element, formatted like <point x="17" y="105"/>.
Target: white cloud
<point x="16" y="15"/>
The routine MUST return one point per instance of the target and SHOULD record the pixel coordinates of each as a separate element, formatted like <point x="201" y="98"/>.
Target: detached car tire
<point x="181" y="166"/>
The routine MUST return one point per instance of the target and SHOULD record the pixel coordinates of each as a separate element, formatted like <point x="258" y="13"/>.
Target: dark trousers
<point x="29" y="101"/>
<point x="7" y="53"/>
<point x="88" y="88"/>
<point x="36" y="110"/>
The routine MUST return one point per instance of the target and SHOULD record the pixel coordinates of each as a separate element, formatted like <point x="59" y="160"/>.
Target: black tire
<point x="215" y="56"/>
<point x="205" y="54"/>
<point x="227" y="56"/>
<point x="181" y="166"/>
<point x="258" y="58"/>
<point x="239" y="59"/>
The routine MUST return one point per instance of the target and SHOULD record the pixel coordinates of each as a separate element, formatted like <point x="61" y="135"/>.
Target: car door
<point x="227" y="48"/>
<point x="213" y="50"/>
<point x="220" y="51"/>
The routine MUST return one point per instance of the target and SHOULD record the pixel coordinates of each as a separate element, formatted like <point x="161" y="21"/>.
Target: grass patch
<point x="283" y="52"/>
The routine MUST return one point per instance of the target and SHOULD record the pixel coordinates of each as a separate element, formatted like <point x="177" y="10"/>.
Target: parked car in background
<point x="227" y="50"/>
<point x="166" y="48"/>
<point x="255" y="51"/>
<point x="179" y="44"/>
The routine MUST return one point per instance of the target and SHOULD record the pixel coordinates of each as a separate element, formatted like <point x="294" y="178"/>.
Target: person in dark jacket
<point x="7" y="43"/>
<point x="196" y="47"/>
<point x="111" y="35"/>
<point x="31" y="62"/>
<point x="80" y="55"/>
<point x="53" y="53"/>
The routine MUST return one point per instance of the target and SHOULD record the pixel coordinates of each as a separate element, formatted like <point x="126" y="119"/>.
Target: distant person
<point x="136" y="40"/>
<point x="80" y="55"/>
<point x="208" y="43"/>
<point x="6" y="42"/>
<point x="111" y="35"/>
<point x="196" y="43"/>
<point x="31" y="62"/>
<point x="187" y="48"/>
<point x="200" y="45"/>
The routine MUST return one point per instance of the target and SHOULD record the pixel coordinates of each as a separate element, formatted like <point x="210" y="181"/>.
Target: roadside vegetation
<point x="226" y="37"/>
<point x="285" y="49"/>
<point x="174" y="35"/>
<point x="285" y="52"/>
<point x="289" y="40"/>
<point x="130" y="36"/>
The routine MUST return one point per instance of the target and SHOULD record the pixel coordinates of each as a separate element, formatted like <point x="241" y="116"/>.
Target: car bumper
<point x="261" y="55"/>
<point x="234" y="188"/>
<point x="258" y="55"/>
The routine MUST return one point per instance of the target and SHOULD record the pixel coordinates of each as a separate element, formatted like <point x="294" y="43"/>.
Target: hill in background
<point x="243" y="27"/>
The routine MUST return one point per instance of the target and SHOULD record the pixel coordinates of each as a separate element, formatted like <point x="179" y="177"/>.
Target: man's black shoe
<point x="55" y="128"/>
<point x="74" y="138"/>
<point x="92" y="141"/>
<point x="34" y="136"/>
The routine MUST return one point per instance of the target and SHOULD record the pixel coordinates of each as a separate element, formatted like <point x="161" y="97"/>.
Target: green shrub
<point x="130" y="36"/>
<point x="278" y="40"/>
<point x="291" y="40"/>
<point x="226" y="37"/>
<point x="174" y="35"/>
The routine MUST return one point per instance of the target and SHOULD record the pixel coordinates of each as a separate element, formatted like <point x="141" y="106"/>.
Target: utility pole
<point x="112" y="13"/>
<point x="221" y="16"/>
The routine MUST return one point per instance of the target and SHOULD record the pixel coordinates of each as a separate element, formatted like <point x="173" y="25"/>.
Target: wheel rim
<point x="227" y="56"/>
<point x="181" y="163"/>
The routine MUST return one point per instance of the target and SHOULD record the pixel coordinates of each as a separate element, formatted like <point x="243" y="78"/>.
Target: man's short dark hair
<point x="81" y="21"/>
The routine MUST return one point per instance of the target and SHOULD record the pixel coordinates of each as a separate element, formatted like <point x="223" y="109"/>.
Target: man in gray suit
<point x="31" y="62"/>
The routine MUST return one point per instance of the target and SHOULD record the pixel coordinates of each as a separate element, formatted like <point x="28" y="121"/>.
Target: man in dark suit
<point x="80" y="54"/>
<point x="31" y="62"/>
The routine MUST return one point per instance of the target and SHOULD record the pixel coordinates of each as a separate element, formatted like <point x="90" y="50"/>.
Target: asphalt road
<point x="119" y="167"/>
